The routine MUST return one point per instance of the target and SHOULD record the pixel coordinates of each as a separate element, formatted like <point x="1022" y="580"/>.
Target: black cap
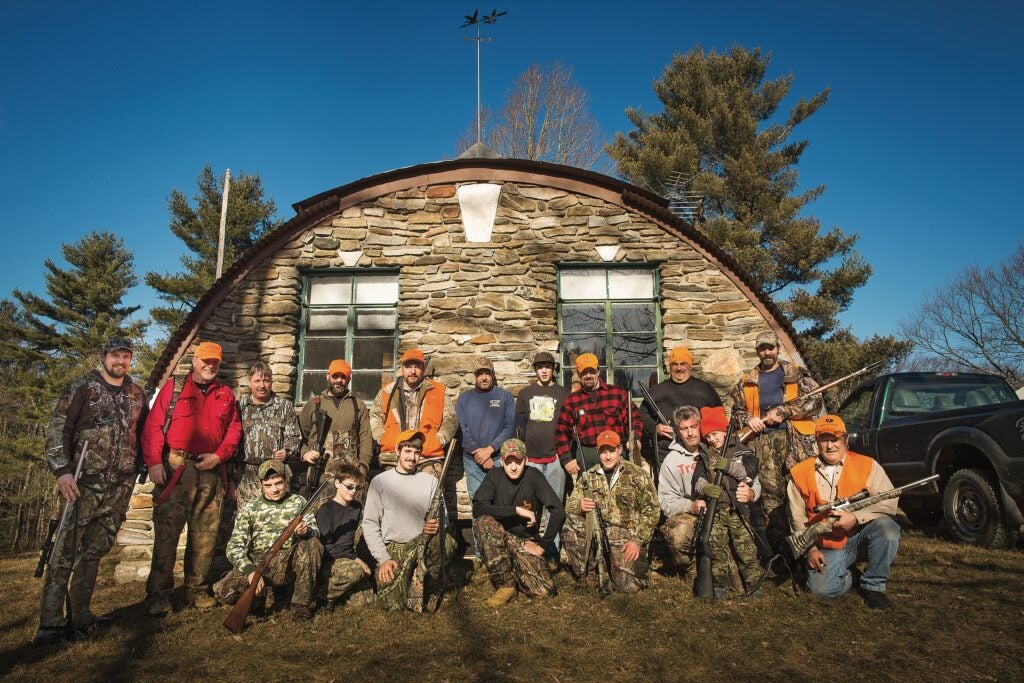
<point x="117" y="344"/>
<point x="543" y="357"/>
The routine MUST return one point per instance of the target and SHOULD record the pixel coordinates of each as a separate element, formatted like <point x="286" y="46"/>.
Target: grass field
<point x="957" y="617"/>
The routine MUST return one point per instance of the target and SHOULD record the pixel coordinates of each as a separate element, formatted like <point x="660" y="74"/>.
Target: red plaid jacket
<point x="593" y="412"/>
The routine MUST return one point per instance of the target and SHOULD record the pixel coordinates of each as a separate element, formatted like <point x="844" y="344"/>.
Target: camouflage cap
<point x="513" y="449"/>
<point x="117" y="344"/>
<point x="274" y="467"/>
<point x="767" y="338"/>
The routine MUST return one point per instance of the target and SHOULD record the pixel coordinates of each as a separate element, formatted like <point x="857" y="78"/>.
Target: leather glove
<point x="712" y="491"/>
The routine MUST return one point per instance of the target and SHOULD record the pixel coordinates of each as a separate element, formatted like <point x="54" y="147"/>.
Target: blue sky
<point x="106" y="106"/>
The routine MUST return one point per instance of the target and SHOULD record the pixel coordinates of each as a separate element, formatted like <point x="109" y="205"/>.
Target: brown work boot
<point x="203" y="601"/>
<point x="159" y="607"/>
<point x="302" y="612"/>
<point x="501" y="596"/>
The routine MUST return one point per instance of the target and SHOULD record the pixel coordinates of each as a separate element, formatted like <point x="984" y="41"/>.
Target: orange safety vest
<point x="790" y="390"/>
<point x="852" y="478"/>
<point x="432" y="415"/>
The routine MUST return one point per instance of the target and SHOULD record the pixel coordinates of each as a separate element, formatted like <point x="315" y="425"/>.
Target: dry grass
<point x="957" y="615"/>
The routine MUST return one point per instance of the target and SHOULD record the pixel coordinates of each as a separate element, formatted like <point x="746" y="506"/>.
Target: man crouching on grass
<point x="258" y="524"/>
<point x="395" y="527"/>
<point x="507" y="513"/>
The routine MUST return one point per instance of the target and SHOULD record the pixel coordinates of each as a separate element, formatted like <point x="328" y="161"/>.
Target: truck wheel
<point x="972" y="509"/>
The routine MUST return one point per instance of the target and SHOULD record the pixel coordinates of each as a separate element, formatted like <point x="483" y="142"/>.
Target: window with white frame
<point x="350" y="315"/>
<point x="612" y="313"/>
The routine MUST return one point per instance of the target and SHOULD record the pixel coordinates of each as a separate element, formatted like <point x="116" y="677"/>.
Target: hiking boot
<point x="501" y="596"/>
<point x="203" y="601"/>
<point x="876" y="599"/>
<point x="302" y="612"/>
<point x="48" y="636"/>
<point x="159" y="607"/>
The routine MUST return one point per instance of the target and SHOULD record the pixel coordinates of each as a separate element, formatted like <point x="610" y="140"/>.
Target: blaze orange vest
<point x="852" y="478"/>
<point x="790" y="390"/>
<point x="432" y="415"/>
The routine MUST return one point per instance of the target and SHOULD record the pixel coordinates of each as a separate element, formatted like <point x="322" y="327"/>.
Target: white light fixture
<point x="350" y="258"/>
<point x="607" y="251"/>
<point x="479" y="205"/>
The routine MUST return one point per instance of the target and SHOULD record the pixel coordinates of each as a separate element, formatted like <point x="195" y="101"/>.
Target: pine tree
<point x="197" y="224"/>
<point x="719" y="129"/>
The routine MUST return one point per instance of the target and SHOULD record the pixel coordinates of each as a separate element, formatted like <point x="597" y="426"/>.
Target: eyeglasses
<point x="350" y="487"/>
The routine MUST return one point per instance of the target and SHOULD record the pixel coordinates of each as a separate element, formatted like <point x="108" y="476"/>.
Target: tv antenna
<point x="476" y="20"/>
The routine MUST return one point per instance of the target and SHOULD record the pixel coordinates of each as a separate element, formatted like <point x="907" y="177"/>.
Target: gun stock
<point x="240" y="612"/>
<point x="704" y="584"/>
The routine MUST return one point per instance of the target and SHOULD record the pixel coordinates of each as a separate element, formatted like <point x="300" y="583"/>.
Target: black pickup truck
<point x="967" y="428"/>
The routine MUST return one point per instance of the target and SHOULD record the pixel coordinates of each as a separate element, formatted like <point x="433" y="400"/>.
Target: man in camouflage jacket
<point x="103" y="410"/>
<point x="269" y="430"/>
<point x="258" y="524"/>
<point x="628" y="506"/>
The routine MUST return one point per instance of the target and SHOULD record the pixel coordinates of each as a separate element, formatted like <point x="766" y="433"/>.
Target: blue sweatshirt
<point x="487" y="418"/>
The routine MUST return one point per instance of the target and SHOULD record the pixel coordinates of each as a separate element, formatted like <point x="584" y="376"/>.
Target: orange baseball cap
<point x="209" y="351"/>
<point x="413" y="355"/>
<point x="608" y="438"/>
<point x="586" y="360"/>
<point x="830" y="424"/>
<point x="409" y="435"/>
<point x="680" y="354"/>
<point x="340" y="366"/>
<point x="713" y="420"/>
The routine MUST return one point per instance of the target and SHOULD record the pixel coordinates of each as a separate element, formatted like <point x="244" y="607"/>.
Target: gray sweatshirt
<point x="675" y="493"/>
<point x="396" y="507"/>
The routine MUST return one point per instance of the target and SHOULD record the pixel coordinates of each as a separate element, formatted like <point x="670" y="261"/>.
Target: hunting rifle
<point x="597" y="543"/>
<point x="438" y="510"/>
<point x="240" y="612"/>
<point x="53" y="546"/>
<point x="704" y="584"/>
<point x="825" y="514"/>
<point x="746" y="433"/>
<point x="316" y="471"/>
<point x="654" y="437"/>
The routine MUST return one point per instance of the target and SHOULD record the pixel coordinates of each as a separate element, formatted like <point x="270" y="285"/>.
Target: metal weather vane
<point x="476" y="20"/>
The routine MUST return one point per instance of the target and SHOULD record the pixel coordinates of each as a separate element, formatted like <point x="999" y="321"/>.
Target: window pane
<point x="312" y="383"/>
<point x="632" y="317"/>
<point x="626" y="378"/>
<point x="376" y="321"/>
<point x="373" y="353"/>
<point x="575" y="345"/>
<point x="582" y="284"/>
<point x="377" y="289"/>
<point x="577" y="318"/>
<point x="330" y="290"/>
<point x="321" y="351"/>
<point x="365" y="385"/>
<point x="635" y="349"/>
<point x="630" y="284"/>
<point x="327" y="321"/>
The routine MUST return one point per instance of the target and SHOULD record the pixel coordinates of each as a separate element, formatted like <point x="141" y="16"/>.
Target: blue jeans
<point x="877" y="542"/>
<point x="475" y="474"/>
<point x="555" y="476"/>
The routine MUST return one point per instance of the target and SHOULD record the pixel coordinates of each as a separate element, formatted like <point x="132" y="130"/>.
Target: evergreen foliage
<point x="197" y="224"/>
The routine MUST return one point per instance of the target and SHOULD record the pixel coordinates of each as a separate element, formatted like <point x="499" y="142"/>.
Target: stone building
<point x="477" y="256"/>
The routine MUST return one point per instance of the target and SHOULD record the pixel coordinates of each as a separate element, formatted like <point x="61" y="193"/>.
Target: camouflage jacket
<point x="108" y="417"/>
<point x="349" y="436"/>
<point x="258" y="525"/>
<point x="266" y="428"/>
<point x="631" y="504"/>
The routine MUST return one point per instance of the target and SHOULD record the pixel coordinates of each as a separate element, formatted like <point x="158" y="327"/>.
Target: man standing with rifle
<point x="775" y="402"/>
<point x="105" y="410"/>
<point x="838" y="472"/>
<point x="269" y="429"/>
<point x="348" y="437"/>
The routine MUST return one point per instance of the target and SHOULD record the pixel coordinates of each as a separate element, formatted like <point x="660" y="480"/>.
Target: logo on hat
<point x="608" y="439"/>
<point x="513" y="449"/>
<point x="830" y="424"/>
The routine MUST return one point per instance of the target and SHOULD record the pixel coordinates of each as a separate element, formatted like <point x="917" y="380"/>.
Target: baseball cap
<point x="513" y="449"/>
<point x="117" y="344"/>
<point x="680" y="354"/>
<point x="268" y="467"/>
<point x="586" y="360"/>
<point x="713" y="420"/>
<point x="409" y="435"/>
<point x="484" y="363"/>
<point x="608" y="438"/>
<point x="830" y="424"/>
<point x="413" y="355"/>
<point x="544" y="357"/>
<point x="339" y="365"/>
<point x="209" y="351"/>
<point x="767" y="338"/>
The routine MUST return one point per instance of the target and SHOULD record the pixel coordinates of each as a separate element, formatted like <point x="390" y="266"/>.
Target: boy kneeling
<point x="337" y="521"/>
<point x="507" y="510"/>
<point x="258" y="524"/>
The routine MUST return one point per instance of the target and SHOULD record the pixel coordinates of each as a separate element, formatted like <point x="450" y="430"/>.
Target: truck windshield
<point x="931" y="395"/>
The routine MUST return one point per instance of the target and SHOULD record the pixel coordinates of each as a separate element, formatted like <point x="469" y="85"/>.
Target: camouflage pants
<point x="732" y="549"/>
<point x="678" y="531"/>
<point x="101" y="510"/>
<point x="342" y="577"/>
<point x="507" y="561"/>
<point x="776" y="451"/>
<point x="197" y="500"/>
<point x="297" y="566"/>
<point x="407" y="589"/>
<point x="627" y="577"/>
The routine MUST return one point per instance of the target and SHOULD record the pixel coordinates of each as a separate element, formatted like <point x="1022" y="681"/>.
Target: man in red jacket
<point x="196" y="419"/>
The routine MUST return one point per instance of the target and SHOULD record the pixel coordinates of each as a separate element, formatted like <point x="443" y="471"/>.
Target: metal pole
<point x="478" y="83"/>
<point x="223" y="223"/>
